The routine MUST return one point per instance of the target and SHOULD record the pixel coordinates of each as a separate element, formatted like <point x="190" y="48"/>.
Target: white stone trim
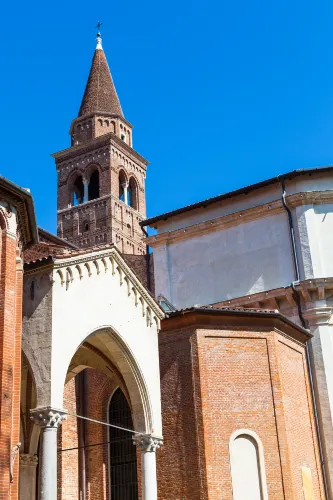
<point x="124" y="272"/>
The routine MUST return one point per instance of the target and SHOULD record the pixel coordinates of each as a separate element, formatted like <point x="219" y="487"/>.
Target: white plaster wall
<point x="325" y="332"/>
<point x="93" y="303"/>
<point x="257" y="197"/>
<point x="323" y="218"/>
<point x="236" y="261"/>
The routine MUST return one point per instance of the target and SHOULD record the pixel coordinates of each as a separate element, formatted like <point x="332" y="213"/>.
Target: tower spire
<point x="100" y="95"/>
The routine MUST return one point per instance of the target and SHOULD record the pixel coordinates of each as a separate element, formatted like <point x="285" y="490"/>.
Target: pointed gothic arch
<point x="133" y="193"/>
<point x="122" y="453"/>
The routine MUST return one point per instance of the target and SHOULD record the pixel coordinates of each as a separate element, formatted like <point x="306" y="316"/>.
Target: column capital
<point x="48" y="416"/>
<point x="318" y="315"/>
<point x="147" y="442"/>
<point x="26" y="459"/>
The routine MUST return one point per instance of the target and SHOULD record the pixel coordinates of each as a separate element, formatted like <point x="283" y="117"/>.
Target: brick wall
<point x="10" y="361"/>
<point x="98" y="391"/>
<point x="222" y="377"/>
<point x="68" y="461"/>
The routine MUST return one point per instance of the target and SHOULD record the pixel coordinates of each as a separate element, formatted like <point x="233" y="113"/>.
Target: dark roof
<point x="52" y="238"/>
<point x="100" y="95"/>
<point x="27" y="213"/>
<point x="243" y="190"/>
<point x="49" y="246"/>
<point x="241" y="311"/>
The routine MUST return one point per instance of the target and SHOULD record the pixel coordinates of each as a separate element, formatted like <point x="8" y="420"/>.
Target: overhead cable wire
<point x="103" y="423"/>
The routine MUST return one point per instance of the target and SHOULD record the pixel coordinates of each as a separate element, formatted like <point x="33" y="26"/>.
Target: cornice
<point x="82" y="206"/>
<point x="241" y="217"/>
<point x="309" y="198"/>
<point x="315" y="295"/>
<point x="96" y="142"/>
<point x="230" y="220"/>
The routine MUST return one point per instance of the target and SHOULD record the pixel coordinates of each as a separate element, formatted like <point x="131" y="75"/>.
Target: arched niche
<point x="247" y="466"/>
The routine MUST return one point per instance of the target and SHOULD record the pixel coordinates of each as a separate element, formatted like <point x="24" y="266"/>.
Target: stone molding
<point x="147" y="443"/>
<point x="314" y="294"/>
<point x="109" y="139"/>
<point x="319" y="315"/>
<point x="28" y="460"/>
<point x="240" y="217"/>
<point x="48" y="416"/>
<point x="126" y="275"/>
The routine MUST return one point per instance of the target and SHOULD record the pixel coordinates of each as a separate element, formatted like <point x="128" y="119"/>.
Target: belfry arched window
<point x="132" y="193"/>
<point x="78" y="191"/>
<point x="123" y="187"/>
<point x="123" y="463"/>
<point x="93" y="189"/>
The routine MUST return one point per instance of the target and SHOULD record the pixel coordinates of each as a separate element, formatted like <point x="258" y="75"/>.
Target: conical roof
<point x="100" y="94"/>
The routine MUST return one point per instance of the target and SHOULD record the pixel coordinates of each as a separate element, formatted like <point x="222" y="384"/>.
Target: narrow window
<point x="93" y="188"/>
<point x="78" y="191"/>
<point x="123" y="463"/>
<point x="132" y="194"/>
<point x="123" y="191"/>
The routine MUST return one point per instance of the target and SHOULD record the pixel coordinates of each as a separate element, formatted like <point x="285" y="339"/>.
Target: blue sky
<point x="221" y="94"/>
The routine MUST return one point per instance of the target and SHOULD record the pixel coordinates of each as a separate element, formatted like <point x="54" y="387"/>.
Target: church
<point x="193" y="364"/>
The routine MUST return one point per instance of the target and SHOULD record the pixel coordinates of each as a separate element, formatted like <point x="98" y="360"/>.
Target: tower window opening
<point x="123" y="137"/>
<point x="123" y="187"/>
<point x="133" y="194"/>
<point x="93" y="189"/>
<point x="78" y="194"/>
<point x="86" y="226"/>
<point x="123" y="462"/>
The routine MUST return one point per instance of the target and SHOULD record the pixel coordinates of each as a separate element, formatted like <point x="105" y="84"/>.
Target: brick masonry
<point x="10" y="361"/>
<point x="218" y="376"/>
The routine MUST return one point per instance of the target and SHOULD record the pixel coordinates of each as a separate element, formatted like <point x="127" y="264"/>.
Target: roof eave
<point x="243" y="190"/>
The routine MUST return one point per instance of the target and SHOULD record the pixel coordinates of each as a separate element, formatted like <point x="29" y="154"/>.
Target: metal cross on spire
<point x="99" y="38"/>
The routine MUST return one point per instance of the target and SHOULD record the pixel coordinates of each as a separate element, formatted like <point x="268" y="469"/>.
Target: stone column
<point x="49" y="420"/>
<point x="148" y="445"/>
<point x="125" y="188"/>
<point x="85" y="188"/>
<point x="28" y="467"/>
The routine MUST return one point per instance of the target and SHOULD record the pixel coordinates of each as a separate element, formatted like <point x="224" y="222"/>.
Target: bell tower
<point x="101" y="178"/>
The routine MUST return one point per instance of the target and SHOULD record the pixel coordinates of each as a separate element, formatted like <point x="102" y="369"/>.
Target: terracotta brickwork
<point x="223" y="374"/>
<point x="143" y="267"/>
<point x="98" y="389"/>
<point x="17" y="230"/>
<point x="68" y="461"/>
<point x="101" y="142"/>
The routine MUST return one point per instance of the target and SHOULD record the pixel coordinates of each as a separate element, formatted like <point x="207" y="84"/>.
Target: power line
<point x="103" y="423"/>
<point x="85" y="446"/>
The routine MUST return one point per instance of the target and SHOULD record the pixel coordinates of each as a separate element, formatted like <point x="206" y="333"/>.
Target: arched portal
<point x="98" y="324"/>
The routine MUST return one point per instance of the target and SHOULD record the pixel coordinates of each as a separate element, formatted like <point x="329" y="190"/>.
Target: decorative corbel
<point x="14" y="452"/>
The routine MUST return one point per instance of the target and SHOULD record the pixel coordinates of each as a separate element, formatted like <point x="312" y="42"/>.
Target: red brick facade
<point x="221" y="374"/>
<point x="17" y="230"/>
<point x="99" y="389"/>
<point x="101" y="145"/>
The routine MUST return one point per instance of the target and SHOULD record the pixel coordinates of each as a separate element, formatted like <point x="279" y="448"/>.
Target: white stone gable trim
<point x="64" y="268"/>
